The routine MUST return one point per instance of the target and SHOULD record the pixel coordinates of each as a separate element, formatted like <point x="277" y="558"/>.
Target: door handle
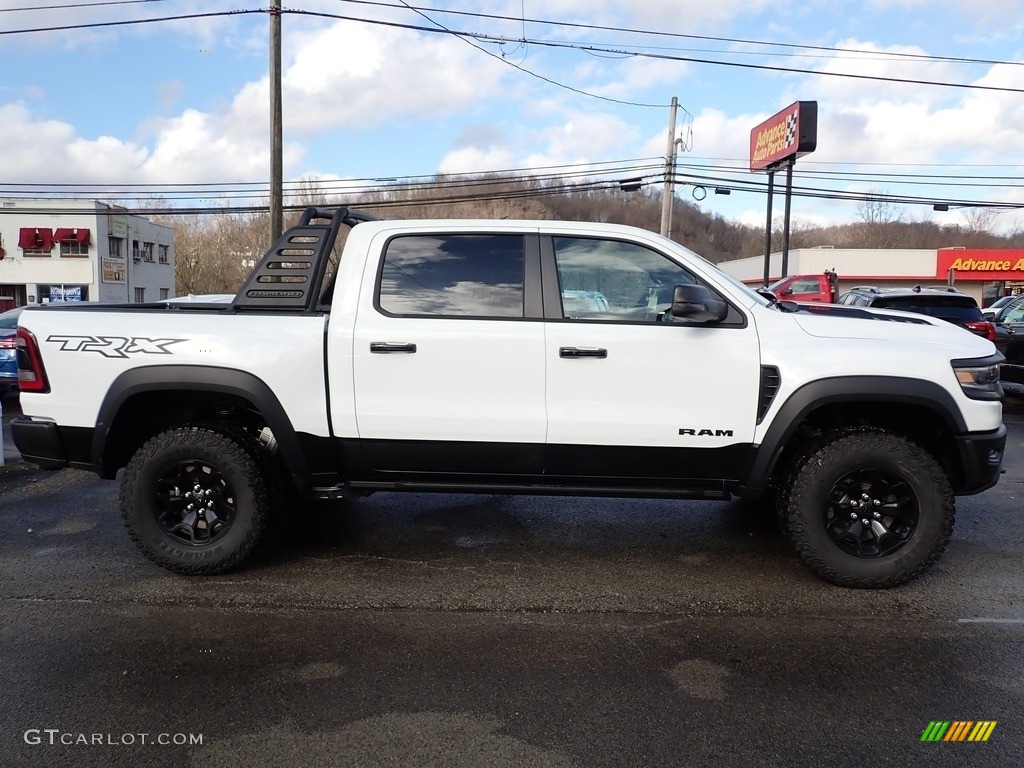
<point x="384" y="347"/>
<point x="573" y="352"/>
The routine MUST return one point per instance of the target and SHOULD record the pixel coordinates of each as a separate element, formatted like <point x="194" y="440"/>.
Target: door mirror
<point x="696" y="304"/>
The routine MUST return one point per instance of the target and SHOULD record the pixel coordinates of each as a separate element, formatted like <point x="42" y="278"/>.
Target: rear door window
<point x="945" y="307"/>
<point x="457" y="275"/>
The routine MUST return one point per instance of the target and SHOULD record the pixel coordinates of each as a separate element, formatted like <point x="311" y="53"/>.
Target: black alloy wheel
<point x="196" y="503"/>
<point x="868" y="508"/>
<point x="195" y="500"/>
<point x="871" y="513"/>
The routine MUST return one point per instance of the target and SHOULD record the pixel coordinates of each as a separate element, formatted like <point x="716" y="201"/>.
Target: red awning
<point x="35" y="238"/>
<point x="69" y="235"/>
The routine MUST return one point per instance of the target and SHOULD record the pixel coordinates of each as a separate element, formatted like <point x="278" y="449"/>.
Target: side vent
<point x="770" y="383"/>
<point x="289" y="276"/>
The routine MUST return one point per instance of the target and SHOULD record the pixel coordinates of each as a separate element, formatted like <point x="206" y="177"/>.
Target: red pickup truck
<point x="807" y="288"/>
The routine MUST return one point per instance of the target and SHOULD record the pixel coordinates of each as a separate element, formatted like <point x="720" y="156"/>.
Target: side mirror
<point x="696" y="304"/>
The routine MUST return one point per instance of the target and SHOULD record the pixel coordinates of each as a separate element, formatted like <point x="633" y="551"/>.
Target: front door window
<point x="614" y="280"/>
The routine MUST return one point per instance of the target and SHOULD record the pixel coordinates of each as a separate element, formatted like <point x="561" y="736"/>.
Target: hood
<point x="834" y="321"/>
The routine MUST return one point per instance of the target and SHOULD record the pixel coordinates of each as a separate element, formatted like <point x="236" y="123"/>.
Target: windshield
<point x="736" y="283"/>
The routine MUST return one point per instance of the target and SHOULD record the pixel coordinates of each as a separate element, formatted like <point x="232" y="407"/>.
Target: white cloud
<point x="580" y="139"/>
<point x="344" y="76"/>
<point x="192" y="147"/>
<point x="359" y="76"/>
<point x="715" y="135"/>
<point x="674" y="15"/>
<point x="634" y="75"/>
<point x="477" y="160"/>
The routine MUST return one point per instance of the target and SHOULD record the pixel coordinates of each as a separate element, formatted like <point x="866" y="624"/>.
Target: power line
<point x="535" y="172"/>
<point x="130" y="22"/>
<point x="490" y="177"/>
<point x="664" y="56"/>
<point x="530" y="72"/>
<point x="902" y="178"/>
<point x="79" y="5"/>
<point x="756" y="187"/>
<point x="743" y="41"/>
<point x="870" y="54"/>
<point x="544" y="43"/>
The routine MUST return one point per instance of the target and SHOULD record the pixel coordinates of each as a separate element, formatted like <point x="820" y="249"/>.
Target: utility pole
<point x="276" y="149"/>
<point x="668" y="195"/>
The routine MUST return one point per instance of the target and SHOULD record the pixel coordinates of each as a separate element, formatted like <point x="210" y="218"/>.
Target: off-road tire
<point x="895" y="474"/>
<point x="238" y="485"/>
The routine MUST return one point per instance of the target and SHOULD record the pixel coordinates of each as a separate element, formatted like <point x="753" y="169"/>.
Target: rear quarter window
<point x="960" y="309"/>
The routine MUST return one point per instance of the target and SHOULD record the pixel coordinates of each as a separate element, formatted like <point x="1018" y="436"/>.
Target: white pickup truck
<point x="513" y="357"/>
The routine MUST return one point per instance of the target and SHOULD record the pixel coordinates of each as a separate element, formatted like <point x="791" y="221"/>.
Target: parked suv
<point x="944" y="303"/>
<point x="8" y="351"/>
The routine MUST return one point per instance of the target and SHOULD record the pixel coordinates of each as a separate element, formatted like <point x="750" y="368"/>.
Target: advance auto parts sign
<point x="791" y="133"/>
<point x="980" y="263"/>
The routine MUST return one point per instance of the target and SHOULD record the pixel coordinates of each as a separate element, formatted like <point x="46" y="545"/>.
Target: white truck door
<point x="631" y="392"/>
<point x="448" y="355"/>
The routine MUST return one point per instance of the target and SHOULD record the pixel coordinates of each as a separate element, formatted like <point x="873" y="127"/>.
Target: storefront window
<point x="48" y="293"/>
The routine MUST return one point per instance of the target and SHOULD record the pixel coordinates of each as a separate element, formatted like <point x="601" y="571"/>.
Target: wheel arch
<point x="127" y="416"/>
<point x="917" y="408"/>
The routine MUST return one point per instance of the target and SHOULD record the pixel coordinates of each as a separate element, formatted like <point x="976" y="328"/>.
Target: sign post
<point x="777" y="143"/>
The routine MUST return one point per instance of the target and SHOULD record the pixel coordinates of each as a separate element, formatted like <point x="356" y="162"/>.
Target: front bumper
<point x="981" y="457"/>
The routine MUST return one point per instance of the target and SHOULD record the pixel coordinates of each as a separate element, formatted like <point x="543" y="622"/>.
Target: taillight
<point x="8" y="342"/>
<point x="31" y="374"/>
<point x="983" y="328"/>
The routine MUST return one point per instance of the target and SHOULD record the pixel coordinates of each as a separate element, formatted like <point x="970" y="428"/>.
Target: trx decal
<point x="114" y="346"/>
<point x="706" y="432"/>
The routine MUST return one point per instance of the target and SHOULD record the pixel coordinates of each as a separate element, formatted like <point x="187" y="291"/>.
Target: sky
<point x="376" y="93"/>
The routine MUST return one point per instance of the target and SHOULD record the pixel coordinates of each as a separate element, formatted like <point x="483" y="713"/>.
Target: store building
<point x="984" y="273"/>
<point x="81" y="250"/>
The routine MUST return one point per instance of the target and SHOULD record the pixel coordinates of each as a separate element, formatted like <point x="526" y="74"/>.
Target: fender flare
<point x="201" y="378"/>
<point x="846" y="389"/>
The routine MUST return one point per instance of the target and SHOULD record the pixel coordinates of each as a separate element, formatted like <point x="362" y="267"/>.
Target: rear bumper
<point x="981" y="456"/>
<point x="50" y="446"/>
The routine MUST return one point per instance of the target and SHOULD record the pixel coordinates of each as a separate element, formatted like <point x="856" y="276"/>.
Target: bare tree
<point x="980" y="220"/>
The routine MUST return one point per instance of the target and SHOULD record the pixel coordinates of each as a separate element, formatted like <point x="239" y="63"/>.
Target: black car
<point x="1010" y="322"/>
<point x="944" y="303"/>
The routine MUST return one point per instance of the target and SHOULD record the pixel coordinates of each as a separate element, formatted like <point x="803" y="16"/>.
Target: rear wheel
<point x="869" y="509"/>
<point x="195" y="500"/>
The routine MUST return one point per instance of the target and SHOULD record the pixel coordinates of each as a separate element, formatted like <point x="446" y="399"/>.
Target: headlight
<point x="979" y="379"/>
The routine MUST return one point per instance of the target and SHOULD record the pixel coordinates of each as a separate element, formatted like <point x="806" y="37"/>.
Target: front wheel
<point x="869" y="509"/>
<point x="195" y="501"/>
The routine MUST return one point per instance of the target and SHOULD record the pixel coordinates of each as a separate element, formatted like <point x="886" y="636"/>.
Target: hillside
<point x="215" y="252"/>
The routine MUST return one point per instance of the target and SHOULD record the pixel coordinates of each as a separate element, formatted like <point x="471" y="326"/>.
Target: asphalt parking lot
<point x="457" y="630"/>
